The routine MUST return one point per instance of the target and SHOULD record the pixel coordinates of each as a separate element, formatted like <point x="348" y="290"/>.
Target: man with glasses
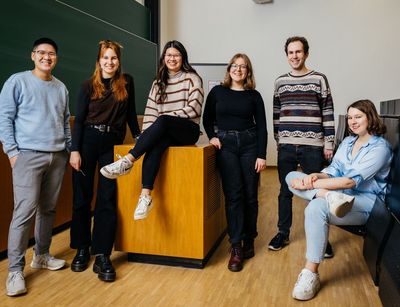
<point x="35" y="132"/>
<point x="304" y="128"/>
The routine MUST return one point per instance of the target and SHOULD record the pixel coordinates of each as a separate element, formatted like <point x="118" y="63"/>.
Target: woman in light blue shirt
<point x="345" y="191"/>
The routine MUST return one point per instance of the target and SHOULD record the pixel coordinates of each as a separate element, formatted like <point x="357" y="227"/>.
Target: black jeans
<point x="164" y="132"/>
<point x="311" y="160"/>
<point x="236" y="161"/>
<point x="97" y="150"/>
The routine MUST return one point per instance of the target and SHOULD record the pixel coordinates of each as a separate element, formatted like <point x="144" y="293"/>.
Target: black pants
<point x="164" y="132"/>
<point x="311" y="160"/>
<point x="236" y="162"/>
<point x="97" y="150"/>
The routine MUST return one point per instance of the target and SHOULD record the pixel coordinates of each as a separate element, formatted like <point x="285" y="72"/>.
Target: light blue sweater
<point x="34" y="114"/>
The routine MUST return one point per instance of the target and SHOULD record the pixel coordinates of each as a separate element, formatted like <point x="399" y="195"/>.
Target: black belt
<point x="102" y="128"/>
<point x="238" y="131"/>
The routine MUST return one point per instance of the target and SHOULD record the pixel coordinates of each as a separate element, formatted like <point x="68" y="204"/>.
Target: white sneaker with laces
<point x="339" y="203"/>
<point x="143" y="207"/>
<point x="15" y="284"/>
<point x="307" y="285"/>
<point x="46" y="261"/>
<point x="120" y="167"/>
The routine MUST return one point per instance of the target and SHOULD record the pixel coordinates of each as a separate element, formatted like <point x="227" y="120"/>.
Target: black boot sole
<point x="235" y="268"/>
<point x="79" y="267"/>
<point x="248" y="254"/>
<point x="109" y="277"/>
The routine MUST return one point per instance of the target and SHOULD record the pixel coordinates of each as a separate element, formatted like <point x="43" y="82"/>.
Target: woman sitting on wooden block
<point x="171" y="118"/>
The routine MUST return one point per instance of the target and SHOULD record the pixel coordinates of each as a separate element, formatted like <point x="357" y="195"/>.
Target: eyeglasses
<point x="42" y="53"/>
<point x="174" y="56"/>
<point x="237" y="66"/>
<point x="356" y="117"/>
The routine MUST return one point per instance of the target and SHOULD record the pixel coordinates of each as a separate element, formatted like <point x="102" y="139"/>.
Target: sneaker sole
<point x="40" y="266"/>
<point x="108" y="175"/>
<point x="111" y="176"/>
<point x="342" y="210"/>
<point x="143" y="216"/>
<point x="20" y="292"/>
<point x="307" y="298"/>
<point x="273" y="248"/>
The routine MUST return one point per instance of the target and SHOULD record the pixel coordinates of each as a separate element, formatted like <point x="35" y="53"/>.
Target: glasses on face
<point x="172" y="56"/>
<point x="42" y="53"/>
<point x="237" y="66"/>
<point x="356" y="117"/>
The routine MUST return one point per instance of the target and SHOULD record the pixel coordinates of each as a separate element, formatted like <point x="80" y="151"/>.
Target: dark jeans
<point x="311" y="160"/>
<point x="164" y="132"/>
<point x="97" y="150"/>
<point x="236" y="162"/>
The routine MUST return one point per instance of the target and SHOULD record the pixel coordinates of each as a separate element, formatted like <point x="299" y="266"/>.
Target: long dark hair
<point x="162" y="74"/>
<point x="375" y="124"/>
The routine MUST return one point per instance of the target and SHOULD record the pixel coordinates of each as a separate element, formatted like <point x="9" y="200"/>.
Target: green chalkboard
<point x="77" y="27"/>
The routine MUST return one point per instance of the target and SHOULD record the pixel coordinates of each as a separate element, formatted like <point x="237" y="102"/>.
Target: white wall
<point x="353" y="42"/>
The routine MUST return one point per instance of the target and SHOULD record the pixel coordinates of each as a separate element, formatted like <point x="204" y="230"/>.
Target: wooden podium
<point x="187" y="221"/>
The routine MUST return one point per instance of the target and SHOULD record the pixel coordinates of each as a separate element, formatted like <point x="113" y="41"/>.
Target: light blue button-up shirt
<point x="369" y="168"/>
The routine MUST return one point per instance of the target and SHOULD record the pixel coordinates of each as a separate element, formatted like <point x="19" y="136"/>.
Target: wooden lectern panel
<point x="188" y="215"/>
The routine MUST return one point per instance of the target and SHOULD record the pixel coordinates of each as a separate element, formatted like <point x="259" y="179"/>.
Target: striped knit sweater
<point x="184" y="99"/>
<point x="303" y="110"/>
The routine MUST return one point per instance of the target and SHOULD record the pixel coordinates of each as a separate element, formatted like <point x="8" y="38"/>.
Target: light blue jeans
<point x="317" y="217"/>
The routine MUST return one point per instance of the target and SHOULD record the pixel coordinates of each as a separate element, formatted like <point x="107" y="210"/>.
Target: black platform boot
<point x="81" y="260"/>
<point x="104" y="268"/>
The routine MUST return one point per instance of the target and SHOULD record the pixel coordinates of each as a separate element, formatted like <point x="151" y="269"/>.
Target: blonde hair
<point x="249" y="82"/>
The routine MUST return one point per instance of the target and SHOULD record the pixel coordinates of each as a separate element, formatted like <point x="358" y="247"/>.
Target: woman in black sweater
<point x="106" y="102"/>
<point x="235" y="123"/>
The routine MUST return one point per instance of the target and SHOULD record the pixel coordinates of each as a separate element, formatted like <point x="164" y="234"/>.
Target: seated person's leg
<point x="150" y="167"/>
<point x="317" y="231"/>
<point x="359" y="213"/>
<point x="305" y="194"/>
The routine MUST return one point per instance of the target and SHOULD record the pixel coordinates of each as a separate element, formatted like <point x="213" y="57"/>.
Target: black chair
<point x="381" y="221"/>
<point x="389" y="275"/>
<point x="377" y="231"/>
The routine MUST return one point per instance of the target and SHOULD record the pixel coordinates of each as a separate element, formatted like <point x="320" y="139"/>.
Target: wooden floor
<point x="266" y="280"/>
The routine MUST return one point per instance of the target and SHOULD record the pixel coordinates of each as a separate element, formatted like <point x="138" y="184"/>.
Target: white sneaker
<point x="120" y="167"/>
<point x="143" y="207"/>
<point x="46" y="261"/>
<point x="339" y="203"/>
<point x="15" y="283"/>
<point x="307" y="285"/>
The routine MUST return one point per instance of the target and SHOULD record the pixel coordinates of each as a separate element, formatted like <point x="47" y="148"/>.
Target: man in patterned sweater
<point x="304" y="128"/>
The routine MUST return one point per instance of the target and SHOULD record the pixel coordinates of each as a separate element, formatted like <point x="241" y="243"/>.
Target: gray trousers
<point x="37" y="179"/>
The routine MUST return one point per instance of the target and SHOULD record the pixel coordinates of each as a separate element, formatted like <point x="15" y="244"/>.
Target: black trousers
<point x="311" y="160"/>
<point x="236" y="163"/>
<point x="97" y="150"/>
<point x="164" y="132"/>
